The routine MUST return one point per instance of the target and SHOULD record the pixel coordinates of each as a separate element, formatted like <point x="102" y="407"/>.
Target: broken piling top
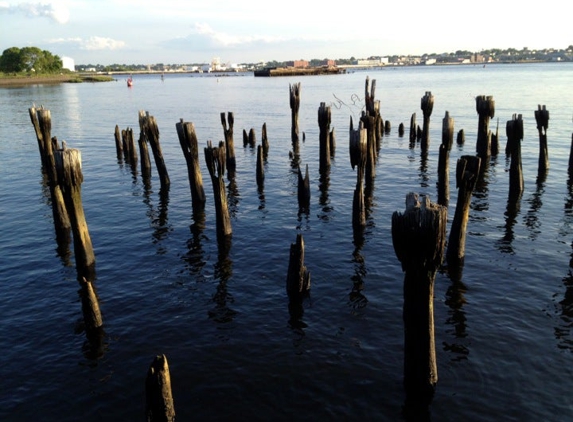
<point x="427" y="104"/>
<point x="298" y="277"/>
<point x="485" y="106"/>
<point x="448" y="131"/>
<point x="69" y="167"/>
<point x="419" y="234"/>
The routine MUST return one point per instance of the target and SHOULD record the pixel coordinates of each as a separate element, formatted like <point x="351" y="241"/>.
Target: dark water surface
<point x="503" y="334"/>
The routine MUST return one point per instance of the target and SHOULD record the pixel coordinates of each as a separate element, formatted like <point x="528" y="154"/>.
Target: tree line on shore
<point x="16" y="60"/>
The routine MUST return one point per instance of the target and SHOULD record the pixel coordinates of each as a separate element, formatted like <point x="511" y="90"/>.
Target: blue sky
<point x="169" y="31"/>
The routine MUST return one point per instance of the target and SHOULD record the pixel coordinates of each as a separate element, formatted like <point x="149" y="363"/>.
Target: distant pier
<point x="294" y="71"/>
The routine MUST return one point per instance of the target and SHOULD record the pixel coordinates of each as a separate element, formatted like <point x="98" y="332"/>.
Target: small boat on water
<point x="129" y="82"/>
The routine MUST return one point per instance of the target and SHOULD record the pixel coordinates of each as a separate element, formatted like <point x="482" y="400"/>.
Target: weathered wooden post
<point x="189" y="145"/>
<point x="419" y="238"/>
<point x="132" y="151"/>
<point x="126" y="145"/>
<point x="332" y="138"/>
<point x="118" y="143"/>
<point x="265" y="140"/>
<point x="444" y="160"/>
<point x="358" y="151"/>
<point x="369" y="123"/>
<point x="69" y="167"/>
<point x="387" y="127"/>
<point x="514" y="131"/>
<point x="42" y="122"/>
<point x="570" y="167"/>
<point x="401" y="130"/>
<point x="229" y="143"/>
<point x="303" y="192"/>
<point x="413" y="129"/>
<point x="427" y="105"/>
<point x="324" y="132"/>
<point x="461" y="138"/>
<point x="152" y="135"/>
<point x="252" y="138"/>
<point x="467" y="174"/>
<point x="298" y="277"/>
<point x="159" y="406"/>
<point x="260" y="167"/>
<point x="294" y="91"/>
<point x="485" y="107"/>
<point x="144" y="158"/>
<point x="90" y="306"/>
<point x="215" y="159"/>
<point x="542" y="119"/>
<point x="373" y="109"/>
<point x="495" y="141"/>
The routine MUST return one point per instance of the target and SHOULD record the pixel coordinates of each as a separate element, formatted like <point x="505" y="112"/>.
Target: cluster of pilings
<point x="419" y="234"/>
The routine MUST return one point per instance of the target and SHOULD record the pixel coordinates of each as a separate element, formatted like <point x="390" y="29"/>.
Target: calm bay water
<point x="504" y="335"/>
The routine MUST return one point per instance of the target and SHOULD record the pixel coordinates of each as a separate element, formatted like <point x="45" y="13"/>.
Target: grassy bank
<point x="7" y="80"/>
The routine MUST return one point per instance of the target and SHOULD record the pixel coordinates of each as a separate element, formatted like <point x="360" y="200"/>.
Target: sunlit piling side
<point x="151" y="131"/>
<point x="294" y="98"/>
<point x="229" y="142"/>
<point x="159" y="406"/>
<point x="514" y="131"/>
<point x="215" y="160"/>
<point x="542" y="119"/>
<point x="444" y="160"/>
<point x="324" y="119"/>
<point x="427" y="106"/>
<point x="485" y="107"/>
<point x="190" y="148"/>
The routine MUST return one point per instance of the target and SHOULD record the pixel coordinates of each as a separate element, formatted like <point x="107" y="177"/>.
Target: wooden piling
<point x="444" y="160"/>
<point x="215" y="160"/>
<point x="265" y="140"/>
<point x="373" y="110"/>
<point x="570" y="167"/>
<point x="42" y="122"/>
<point x="303" y="191"/>
<point x="542" y="119"/>
<point x="495" y="141"/>
<point x="324" y="117"/>
<point x="145" y="162"/>
<point x="152" y="134"/>
<point x="401" y="130"/>
<point x="260" y="166"/>
<point x="461" y="138"/>
<point x="90" y="306"/>
<point x="467" y="174"/>
<point x="118" y="143"/>
<point x="332" y="139"/>
<point x="485" y="107"/>
<point x="298" y="277"/>
<point x="252" y="138"/>
<point x="190" y="148"/>
<point x="427" y="105"/>
<point x="69" y="167"/>
<point x="358" y="152"/>
<point x="132" y="159"/>
<point x="413" y="129"/>
<point x="159" y="406"/>
<point x="369" y="123"/>
<point x="294" y="96"/>
<point x="419" y="237"/>
<point x="229" y="143"/>
<point x="126" y="145"/>
<point x="514" y="131"/>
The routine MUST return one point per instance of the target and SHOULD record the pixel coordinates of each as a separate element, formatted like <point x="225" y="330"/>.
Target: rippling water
<point x="503" y="334"/>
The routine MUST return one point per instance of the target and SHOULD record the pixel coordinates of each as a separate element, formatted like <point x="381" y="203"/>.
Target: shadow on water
<point x="158" y="216"/>
<point x="356" y="298"/>
<point x="512" y="211"/>
<point x="195" y="256"/>
<point x="324" y="199"/>
<point x="531" y="219"/>
<point x="223" y="271"/>
<point x="423" y="170"/>
<point x="480" y="196"/>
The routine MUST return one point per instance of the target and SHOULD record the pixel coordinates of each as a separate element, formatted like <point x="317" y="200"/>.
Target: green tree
<point x="10" y="61"/>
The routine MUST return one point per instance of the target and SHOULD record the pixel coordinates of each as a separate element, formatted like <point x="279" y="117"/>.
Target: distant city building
<point x="68" y="63"/>
<point x="382" y="61"/>
<point x="299" y="64"/>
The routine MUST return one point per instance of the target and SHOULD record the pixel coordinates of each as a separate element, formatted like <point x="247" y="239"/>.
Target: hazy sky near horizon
<point x="169" y="31"/>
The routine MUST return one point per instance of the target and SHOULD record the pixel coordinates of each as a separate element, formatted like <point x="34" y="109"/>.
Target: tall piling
<point x="542" y="119"/>
<point x="189" y="145"/>
<point x="215" y="160"/>
<point x="444" y="160"/>
<point x="42" y="122"/>
<point x="118" y="143"/>
<point x="485" y="107"/>
<point x="413" y="129"/>
<point x="152" y="135"/>
<point x="298" y="277"/>
<point x="467" y="174"/>
<point x="427" y="105"/>
<point x="514" y="131"/>
<point x="294" y="97"/>
<point x="159" y="406"/>
<point x="324" y="117"/>
<point x="419" y="237"/>
<point x="265" y="140"/>
<point x="303" y="191"/>
<point x="229" y="143"/>
<point x="69" y="167"/>
<point x="260" y="167"/>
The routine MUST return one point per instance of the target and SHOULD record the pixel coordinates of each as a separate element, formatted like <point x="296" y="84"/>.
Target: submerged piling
<point x="303" y="191"/>
<point x="485" y="107"/>
<point x="298" y="277"/>
<point x="419" y="237"/>
<point x="324" y="117"/>
<point x="229" y="142"/>
<point x="358" y="152"/>
<point x="152" y="134"/>
<point x="514" y="131"/>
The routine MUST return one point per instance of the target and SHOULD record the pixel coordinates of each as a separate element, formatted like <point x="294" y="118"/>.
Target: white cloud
<point x="91" y="43"/>
<point x="226" y="40"/>
<point x="57" y="13"/>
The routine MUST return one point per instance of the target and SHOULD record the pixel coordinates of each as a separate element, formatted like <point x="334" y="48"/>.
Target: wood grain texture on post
<point x="542" y="119"/>
<point x="229" y="142"/>
<point x="294" y="99"/>
<point x="419" y="238"/>
<point x="427" y="106"/>
<point x="158" y="395"/>
<point x="69" y="166"/>
<point x="485" y="107"/>
<point x="215" y="160"/>
<point x="324" y="118"/>
<point x="190" y="147"/>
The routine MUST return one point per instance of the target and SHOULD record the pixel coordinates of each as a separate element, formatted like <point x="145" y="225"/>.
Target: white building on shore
<point x="68" y="63"/>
